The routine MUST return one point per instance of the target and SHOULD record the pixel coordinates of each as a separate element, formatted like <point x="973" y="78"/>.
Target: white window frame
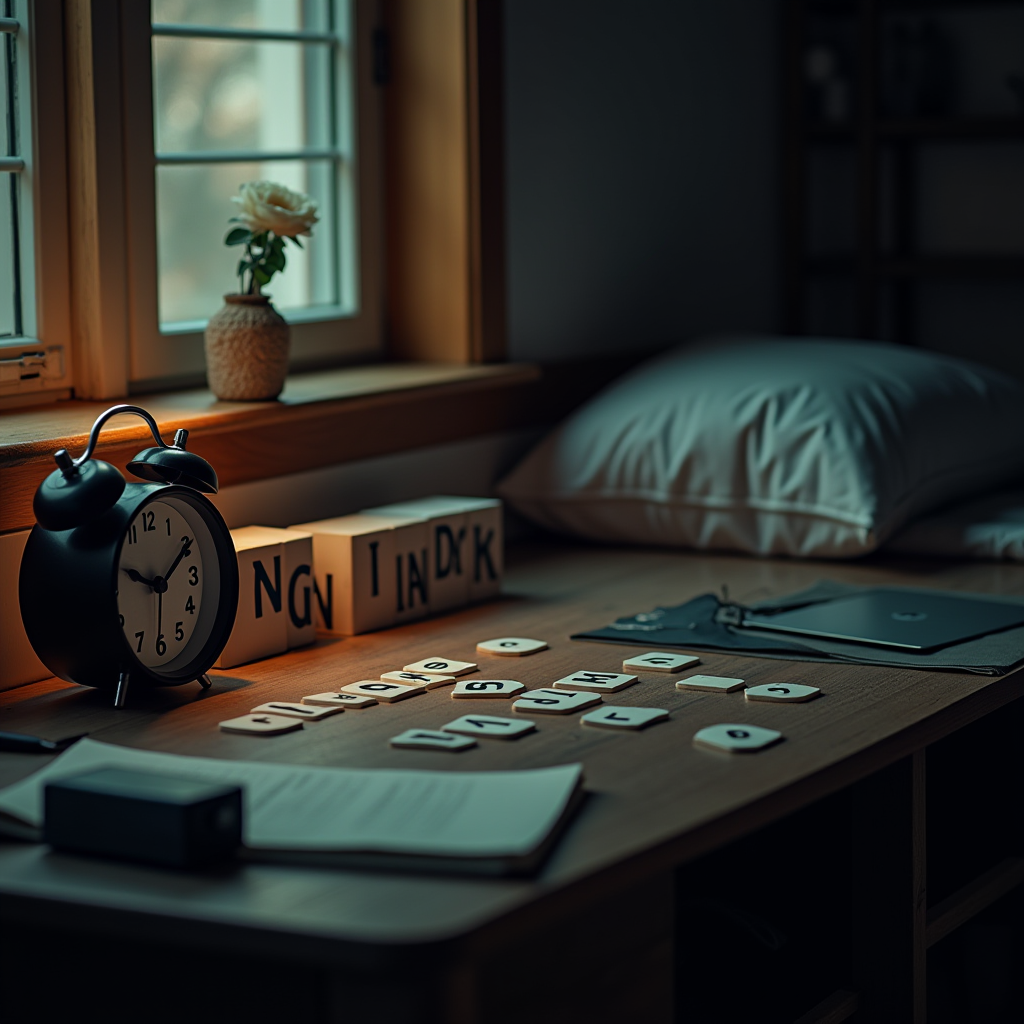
<point x="36" y="364"/>
<point x="321" y="336"/>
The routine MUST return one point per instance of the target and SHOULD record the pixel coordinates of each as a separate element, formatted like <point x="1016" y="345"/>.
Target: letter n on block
<point x="354" y="574"/>
<point x="261" y="626"/>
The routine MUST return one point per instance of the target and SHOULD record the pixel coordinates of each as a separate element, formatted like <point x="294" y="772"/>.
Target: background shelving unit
<point x="882" y="260"/>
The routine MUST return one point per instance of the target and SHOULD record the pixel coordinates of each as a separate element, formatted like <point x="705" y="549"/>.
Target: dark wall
<point x="642" y="172"/>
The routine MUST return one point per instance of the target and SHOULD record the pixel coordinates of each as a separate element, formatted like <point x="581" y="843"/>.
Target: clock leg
<point x="122" y="688"/>
<point x="205" y="682"/>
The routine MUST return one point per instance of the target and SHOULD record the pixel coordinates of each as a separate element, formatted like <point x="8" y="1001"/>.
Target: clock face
<point x="168" y="584"/>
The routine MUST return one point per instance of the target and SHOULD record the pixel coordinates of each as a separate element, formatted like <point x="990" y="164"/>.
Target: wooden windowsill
<point x="320" y="419"/>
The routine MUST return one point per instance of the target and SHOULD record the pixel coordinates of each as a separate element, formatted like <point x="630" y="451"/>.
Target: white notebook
<point x="481" y="822"/>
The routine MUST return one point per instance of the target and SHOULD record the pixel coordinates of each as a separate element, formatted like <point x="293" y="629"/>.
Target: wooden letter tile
<point x="596" y="682"/>
<point x="488" y="725"/>
<point x="624" y="718"/>
<point x="424" y="679"/>
<point x="431" y="739"/>
<point x="710" y="684"/>
<point x="736" y="738"/>
<point x="469" y="688"/>
<point x="659" y="661"/>
<point x="338" y="700"/>
<point x="261" y="725"/>
<point x="382" y="691"/>
<point x="292" y="710"/>
<point x="441" y="666"/>
<point x="783" y="692"/>
<point x="555" y="702"/>
<point x="510" y="646"/>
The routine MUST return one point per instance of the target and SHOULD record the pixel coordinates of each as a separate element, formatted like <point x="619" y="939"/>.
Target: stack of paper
<point x="480" y="822"/>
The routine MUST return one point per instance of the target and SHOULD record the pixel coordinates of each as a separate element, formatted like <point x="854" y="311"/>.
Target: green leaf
<point x="261" y="275"/>
<point x="275" y="260"/>
<point x="242" y="265"/>
<point x="295" y="239"/>
<point x="237" y="236"/>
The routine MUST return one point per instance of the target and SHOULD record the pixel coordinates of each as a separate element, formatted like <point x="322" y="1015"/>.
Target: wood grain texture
<point x="655" y="800"/>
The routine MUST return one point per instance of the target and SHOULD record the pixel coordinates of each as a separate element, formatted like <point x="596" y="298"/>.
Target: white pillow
<point x="808" y="447"/>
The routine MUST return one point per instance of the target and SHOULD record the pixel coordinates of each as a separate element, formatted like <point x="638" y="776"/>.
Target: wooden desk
<point x="592" y="936"/>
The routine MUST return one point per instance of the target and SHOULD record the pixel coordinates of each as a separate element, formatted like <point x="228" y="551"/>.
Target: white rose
<point x="267" y="206"/>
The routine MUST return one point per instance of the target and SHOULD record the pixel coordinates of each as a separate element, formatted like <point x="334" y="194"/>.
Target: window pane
<point x="195" y="267"/>
<point x="8" y="190"/>
<point x="265" y="14"/>
<point x="212" y="94"/>
<point x="7" y="256"/>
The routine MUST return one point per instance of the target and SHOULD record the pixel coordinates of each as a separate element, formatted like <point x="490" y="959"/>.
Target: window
<point x="32" y="354"/>
<point x="238" y="91"/>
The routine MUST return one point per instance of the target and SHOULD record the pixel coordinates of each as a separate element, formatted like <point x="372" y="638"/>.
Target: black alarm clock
<point x="129" y="582"/>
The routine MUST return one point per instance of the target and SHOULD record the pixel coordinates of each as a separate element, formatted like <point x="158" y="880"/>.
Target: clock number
<point x="132" y="535"/>
<point x="190" y="606"/>
<point x="193" y="575"/>
<point x="161" y="646"/>
<point x="179" y="633"/>
<point x="121" y="617"/>
<point x="168" y="521"/>
<point x="148" y="519"/>
<point x="140" y="636"/>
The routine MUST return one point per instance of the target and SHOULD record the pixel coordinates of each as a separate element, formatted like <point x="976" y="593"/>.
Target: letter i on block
<point x="261" y="623"/>
<point x="353" y="573"/>
<point x="448" y="547"/>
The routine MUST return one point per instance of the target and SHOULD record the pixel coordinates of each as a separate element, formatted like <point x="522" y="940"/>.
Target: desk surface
<point x="655" y="800"/>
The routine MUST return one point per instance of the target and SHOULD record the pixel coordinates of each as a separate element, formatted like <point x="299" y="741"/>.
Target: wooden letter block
<point x="736" y="738"/>
<point x="292" y="710"/>
<point x="448" y="531"/>
<point x="783" y="693"/>
<point x="261" y="622"/>
<point x="424" y="679"/>
<point x="659" y="661"/>
<point x="487" y="725"/>
<point x="471" y="688"/>
<point x="431" y="739"/>
<point x="624" y="718"/>
<point x="354" y="575"/>
<point x="595" y="682"/>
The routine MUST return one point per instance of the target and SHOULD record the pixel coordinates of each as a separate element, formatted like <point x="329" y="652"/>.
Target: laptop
<point x="907" y="621"/>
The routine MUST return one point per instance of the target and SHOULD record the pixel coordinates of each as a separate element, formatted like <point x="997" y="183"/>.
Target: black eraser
<point x="140" y="816"/>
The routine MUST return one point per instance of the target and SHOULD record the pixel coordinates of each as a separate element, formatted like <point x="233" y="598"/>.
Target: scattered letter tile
<point x="711" y="684"/>
<point x="738" y="738"/>
<point x="624" y="718"/>
<point x="488" y="725"/>
<point x="380" y="690"/>
<point x="468" y="688"/>
<point x="431" y="739"/>
<point x="596" y="682"/>
<point x="783" y="692"/>
<point x="441" y="666"/>
<point x="510" y="646"/>
<point x="659" y="661"/>
<point x="555" y="702"/>
<point x="424" y="679"/>
<point x="338" y="700"/>
<point x="261" y="725"/>
<point x="291" y="709"/>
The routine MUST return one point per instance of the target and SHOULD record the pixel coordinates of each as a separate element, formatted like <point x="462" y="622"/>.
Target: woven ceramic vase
<point x="247" y="349"/>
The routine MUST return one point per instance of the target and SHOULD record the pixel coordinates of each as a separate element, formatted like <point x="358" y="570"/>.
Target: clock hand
<point x="185" y="549"/>
<point x="159" y="615"/>
<point x="137" y="577"/>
